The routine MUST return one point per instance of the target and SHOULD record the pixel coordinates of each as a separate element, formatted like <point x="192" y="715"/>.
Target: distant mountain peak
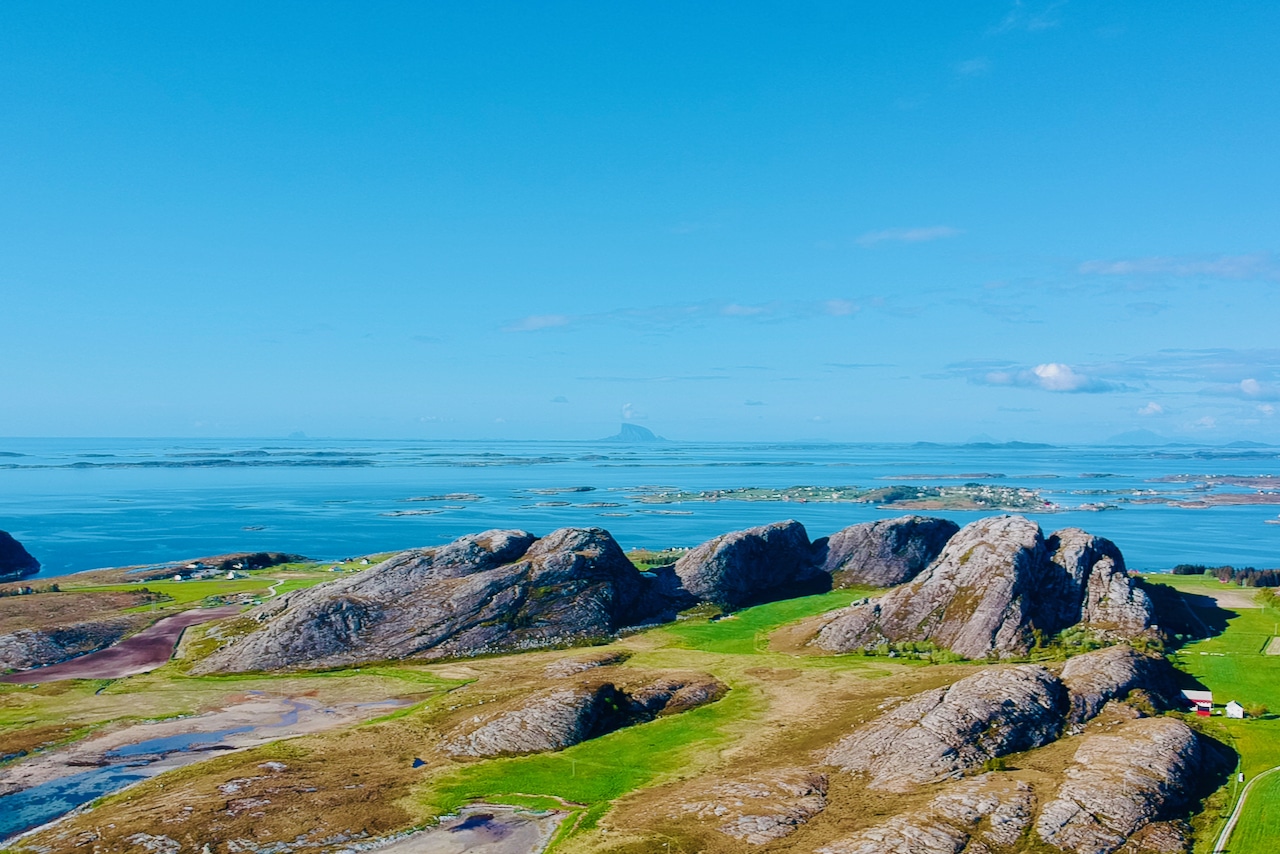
<point x="634" y="433"/>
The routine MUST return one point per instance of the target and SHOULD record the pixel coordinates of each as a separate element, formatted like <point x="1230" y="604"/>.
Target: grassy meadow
<point x="1235" y="666"/>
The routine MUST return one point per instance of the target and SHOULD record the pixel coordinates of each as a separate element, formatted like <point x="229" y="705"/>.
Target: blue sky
<point x="849" y="221"/>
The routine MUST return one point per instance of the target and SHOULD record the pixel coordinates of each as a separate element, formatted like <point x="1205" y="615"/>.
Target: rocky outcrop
<point x="552" y="720"/>
<point x="944" y="732"/>
<point x="752" y="566"/>
<point x="996" y="587"/>
<point x="762" y="807"/>
<point x="491" y="592"/>
<point x="885" y="553"/>
<point x="28" y="648"/>
<point x="1146" y="770"/>
<point x="967" y="817"/>
<point x="1113" y="673"/>
<point x="566" y="667"/>
<point x="562" y="717"/>
<point x="16" y="562"/>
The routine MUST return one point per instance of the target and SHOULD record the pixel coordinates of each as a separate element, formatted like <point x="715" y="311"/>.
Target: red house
<point x="1201" y="701"/>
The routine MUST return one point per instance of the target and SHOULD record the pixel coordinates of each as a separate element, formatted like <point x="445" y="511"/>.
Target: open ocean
<point x="81" y="504"/>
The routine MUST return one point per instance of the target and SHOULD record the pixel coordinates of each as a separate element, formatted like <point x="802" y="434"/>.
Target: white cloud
<point x="1266" y="409"/>
<point x="1257" y="266"/>
<point x="973" y="67"/>
<point x="734" y="309"/>
<point x="908" y="235"/>
<point x="840" y="307"/>
<point x="1208" y="422"/>
<point x="1152" y="408"/>
<point x="1246" y="389"/>
<point x="534" y="322"/>
<point x="630" y="413"/>
<point x="1027" y="18"/>
<point x="1051" y="376"/>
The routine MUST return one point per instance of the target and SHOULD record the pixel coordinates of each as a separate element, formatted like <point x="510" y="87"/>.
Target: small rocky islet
<point x="966" y="756"/>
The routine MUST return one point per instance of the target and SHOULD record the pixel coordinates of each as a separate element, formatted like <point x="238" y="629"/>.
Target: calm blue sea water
<point x="83" y="504"/>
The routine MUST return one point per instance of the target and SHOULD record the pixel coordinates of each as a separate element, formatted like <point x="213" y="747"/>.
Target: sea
<point x="80" y="504"/>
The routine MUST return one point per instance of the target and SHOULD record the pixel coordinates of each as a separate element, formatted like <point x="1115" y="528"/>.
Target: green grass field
<point x="1234" y="666"/>
<point x="747" y="631"/>
<point x="1259" y="827"/>
<point x="597" y="771"/>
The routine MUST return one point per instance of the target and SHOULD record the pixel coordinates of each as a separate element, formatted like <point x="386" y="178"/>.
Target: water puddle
<point x="172" y="743"/>
<point x="41" y="804"/>
<point x="50" y="786"/>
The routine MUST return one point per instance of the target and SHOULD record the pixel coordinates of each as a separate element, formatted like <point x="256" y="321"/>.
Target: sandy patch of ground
<point x="257" y="720"/>
<point x="482" y="829"/>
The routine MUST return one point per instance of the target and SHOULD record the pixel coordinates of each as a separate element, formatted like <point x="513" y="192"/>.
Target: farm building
<point x="1235" y="710"/>
<point x="1201" y="701"/>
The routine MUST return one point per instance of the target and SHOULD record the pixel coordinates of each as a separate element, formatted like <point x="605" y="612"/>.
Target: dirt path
<point x="1225" y="837"/>
<point x="146" y="650"/>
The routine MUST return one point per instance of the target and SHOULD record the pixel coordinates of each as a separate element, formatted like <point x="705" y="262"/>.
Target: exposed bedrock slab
<point x="884" y="553"/>
<point x="752" y="566"/>
<point x="1113" y="673"/>
<point x="562" y="717"/>
<point x="28" y="648"/>
<point x="1145" y="771"/>
<point x="491" y="592"/>
<point x="996" y="584"/>
<point x="763" y="807"/>
<point x="967" y="818"/>
<point x="944" y="732"/>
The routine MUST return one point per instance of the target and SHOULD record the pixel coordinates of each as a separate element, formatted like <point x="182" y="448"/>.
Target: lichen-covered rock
<point x="581" y="664"/>
<point x="15" y="561"/>
<point x="752" y="566"/>
<point x="671" y="695"/>
<point x="965" y="819"/>
<point x="884" y="553"/>
<point x="491" y="592"/>
<point x="562" y="717"/>
<point x="995" y="586"/>
<point x="28" y="648"/>
<point x="905" y="834"/>
<point x="944" y="732"/>
<point x="1144" y="771"/>
<point x="552" y="720"/>
<point x="762" y="807"/>
<point x="1098" y="677"/>
<point x="999" y="807"/>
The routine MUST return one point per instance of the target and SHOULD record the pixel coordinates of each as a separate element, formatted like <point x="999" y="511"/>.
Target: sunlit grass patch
<point x="598" y="771"/>
<point x="746" y="632"/>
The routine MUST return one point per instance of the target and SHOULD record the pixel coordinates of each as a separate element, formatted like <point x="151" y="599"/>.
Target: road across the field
<point x="146" y="650"/>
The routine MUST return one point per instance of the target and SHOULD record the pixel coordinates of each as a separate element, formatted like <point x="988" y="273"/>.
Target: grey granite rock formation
<point x="752" y="566"/>
<point x="562" y="717"/>
<point x="967" y="818"/>
<point x="1119" y="782"/>
<point x="490" y="592"/>
<point x="939" y="734"/>
<point x="28" y="648"/>
<point x="762" y="807"/>
<point x="552" y="720"/>
<point x="1098" y="677"/>
<point x="16" y="563"/>
<point x="996" y="584"/>
<point x="884" y="553"/>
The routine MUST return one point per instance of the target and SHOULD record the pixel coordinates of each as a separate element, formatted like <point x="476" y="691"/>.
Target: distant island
<point x="633" y="433"/>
